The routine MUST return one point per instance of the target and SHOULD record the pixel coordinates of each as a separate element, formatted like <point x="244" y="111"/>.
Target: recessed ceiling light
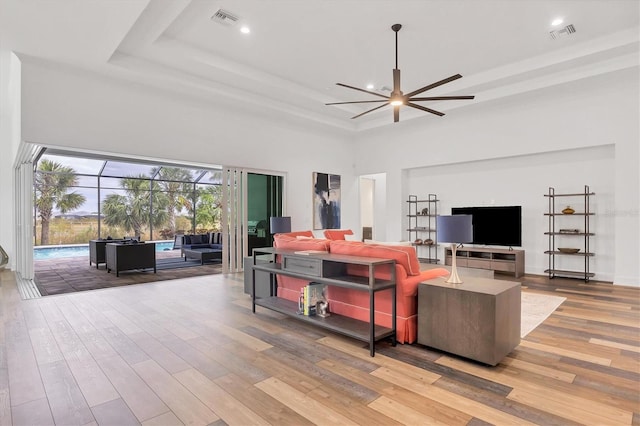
<point x="370" y="86"/>
<point x="557" y="22"/>
<point x="245" y="30"/>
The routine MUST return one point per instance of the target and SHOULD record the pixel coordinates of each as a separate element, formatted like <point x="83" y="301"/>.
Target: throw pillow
<point x="337" y="234"/>
<point x="215" y="238"/>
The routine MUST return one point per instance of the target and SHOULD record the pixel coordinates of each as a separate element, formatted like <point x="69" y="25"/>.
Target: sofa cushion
<point x="192" y="239"/>
<point x="289" y="242"/>
<point x="404" y="256"/>
<point x="389" y="243"/>
<point x="196" y="246"/>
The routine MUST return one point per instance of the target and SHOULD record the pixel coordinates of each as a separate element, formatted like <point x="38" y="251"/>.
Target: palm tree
<point x="209" y="206"/>
<point x="176" y="185"/>
<point x="143" y="204"/>
<point x="51" y="183"/>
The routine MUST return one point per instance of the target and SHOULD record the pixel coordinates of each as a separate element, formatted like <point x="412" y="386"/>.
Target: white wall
<point x="9" y="140"/>
<point x="512" y="181"/>
<point x="72" y="109"/>
<point x="591" y="113"/>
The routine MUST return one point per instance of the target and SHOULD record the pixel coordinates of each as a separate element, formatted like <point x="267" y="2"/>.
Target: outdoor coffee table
<point x="202" y="254"/>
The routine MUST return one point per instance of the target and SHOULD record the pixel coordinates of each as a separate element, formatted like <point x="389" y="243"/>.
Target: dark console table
<point x="124" y="257"/>
<point x="327" y="269"/>
<point x="97" y="251"/>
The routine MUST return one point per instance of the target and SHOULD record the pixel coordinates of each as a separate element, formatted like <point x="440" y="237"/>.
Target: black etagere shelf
<point x="568" y="236"/>
<point x="422" y="227"/>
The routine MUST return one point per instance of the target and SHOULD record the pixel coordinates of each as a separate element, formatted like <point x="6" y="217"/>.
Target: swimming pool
<point x="57" y="252"/>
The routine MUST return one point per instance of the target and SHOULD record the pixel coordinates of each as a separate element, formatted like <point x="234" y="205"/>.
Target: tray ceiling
<point x="297" y="50"/>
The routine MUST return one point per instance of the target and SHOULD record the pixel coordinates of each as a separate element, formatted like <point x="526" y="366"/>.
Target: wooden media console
<point x="495" y="259"/>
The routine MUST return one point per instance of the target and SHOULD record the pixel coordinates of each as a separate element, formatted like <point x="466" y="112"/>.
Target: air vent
<point x="568" y="30"/>
<point x="224" y="17"/>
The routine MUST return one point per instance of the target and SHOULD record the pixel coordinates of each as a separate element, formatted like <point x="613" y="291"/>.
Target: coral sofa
<point x="353" y="303"/>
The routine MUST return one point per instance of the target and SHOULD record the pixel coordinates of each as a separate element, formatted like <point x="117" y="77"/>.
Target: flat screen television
<point x="495" y="225"/>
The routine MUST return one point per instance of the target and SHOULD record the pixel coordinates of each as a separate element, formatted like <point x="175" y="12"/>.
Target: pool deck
<point x="71" y="274"/>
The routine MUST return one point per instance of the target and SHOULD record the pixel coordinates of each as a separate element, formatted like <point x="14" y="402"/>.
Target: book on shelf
<point x="308" y="252"/>
<point x="311" y="294"/>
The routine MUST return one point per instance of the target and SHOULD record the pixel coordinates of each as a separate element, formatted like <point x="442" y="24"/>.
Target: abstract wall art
<point x="326" y="201"/>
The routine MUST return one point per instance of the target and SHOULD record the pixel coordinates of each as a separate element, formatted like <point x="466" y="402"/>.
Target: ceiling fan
<point x="397" y="97"/>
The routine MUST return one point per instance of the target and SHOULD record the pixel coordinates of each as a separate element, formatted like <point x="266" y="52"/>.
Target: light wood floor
<point x="190" y="351"/>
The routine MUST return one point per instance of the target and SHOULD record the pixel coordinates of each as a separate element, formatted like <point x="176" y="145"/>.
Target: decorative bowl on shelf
<point x="569" y="231"/>
<point x="418" y="242"/>
<point x="568" y="210"/>
<point x="568" y="250"/>
<point x="428" y="242"/>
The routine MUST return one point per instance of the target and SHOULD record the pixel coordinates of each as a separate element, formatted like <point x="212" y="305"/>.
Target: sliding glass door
<point x="264" y="200"/>
<point x="250" y="199"/>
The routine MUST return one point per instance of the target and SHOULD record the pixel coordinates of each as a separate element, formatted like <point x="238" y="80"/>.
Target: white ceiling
<point x="299" y="49"/>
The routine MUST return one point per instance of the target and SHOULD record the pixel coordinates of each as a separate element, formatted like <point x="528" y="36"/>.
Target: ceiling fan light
<point x="397" y="97"/>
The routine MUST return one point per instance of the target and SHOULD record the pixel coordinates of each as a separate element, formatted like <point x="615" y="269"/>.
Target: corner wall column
<point x="23" y="210"/>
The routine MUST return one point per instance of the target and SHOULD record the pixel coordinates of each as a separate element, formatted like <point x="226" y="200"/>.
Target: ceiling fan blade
<point x="433" y="85"/>
<point x="362" y="90"/>
<point x="441" y="98"/>
<point x="357" y="102"/>
<point x="396" y="80"/>
<point x="432" y="111"/>
<point x="396" y="113"/>
<point x="367" y="112"/>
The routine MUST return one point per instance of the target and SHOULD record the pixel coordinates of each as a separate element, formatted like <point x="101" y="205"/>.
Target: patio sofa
<point x="354" y="303"/>
<point x="210" y="240"/>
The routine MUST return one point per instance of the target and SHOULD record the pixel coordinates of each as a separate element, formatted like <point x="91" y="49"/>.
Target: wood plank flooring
<point x="190" y="351"/>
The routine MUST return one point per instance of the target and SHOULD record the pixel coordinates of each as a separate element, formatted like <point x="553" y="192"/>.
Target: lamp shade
<point x="455" y="228"/>
<point x="280" y="224"/>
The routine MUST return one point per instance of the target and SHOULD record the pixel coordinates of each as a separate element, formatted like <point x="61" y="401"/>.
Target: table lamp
<point x="280" y="224"/>
<point x="454" y="229"/>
